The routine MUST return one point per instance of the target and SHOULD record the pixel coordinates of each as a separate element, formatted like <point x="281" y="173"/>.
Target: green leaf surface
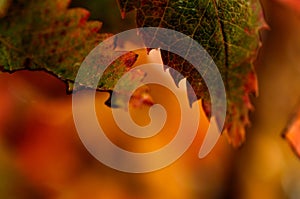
<point x="46" y="35"/>
<point x="228" y="30"/>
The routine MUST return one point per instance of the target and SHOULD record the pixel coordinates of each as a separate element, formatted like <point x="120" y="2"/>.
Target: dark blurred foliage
<point x="107" y="11"/>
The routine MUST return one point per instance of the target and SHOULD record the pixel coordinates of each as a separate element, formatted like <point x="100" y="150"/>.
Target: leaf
<point x="229" y="31"/>
<point x="46" y="35"/>
<point x="292" y="132"/>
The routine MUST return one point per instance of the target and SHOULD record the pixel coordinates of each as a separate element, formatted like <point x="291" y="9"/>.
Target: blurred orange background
<point x="41" y="155"/>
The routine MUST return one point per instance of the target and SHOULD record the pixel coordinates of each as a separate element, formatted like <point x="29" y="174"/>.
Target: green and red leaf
<point x="47" y="35"/>
<point x="229" y="31"/>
